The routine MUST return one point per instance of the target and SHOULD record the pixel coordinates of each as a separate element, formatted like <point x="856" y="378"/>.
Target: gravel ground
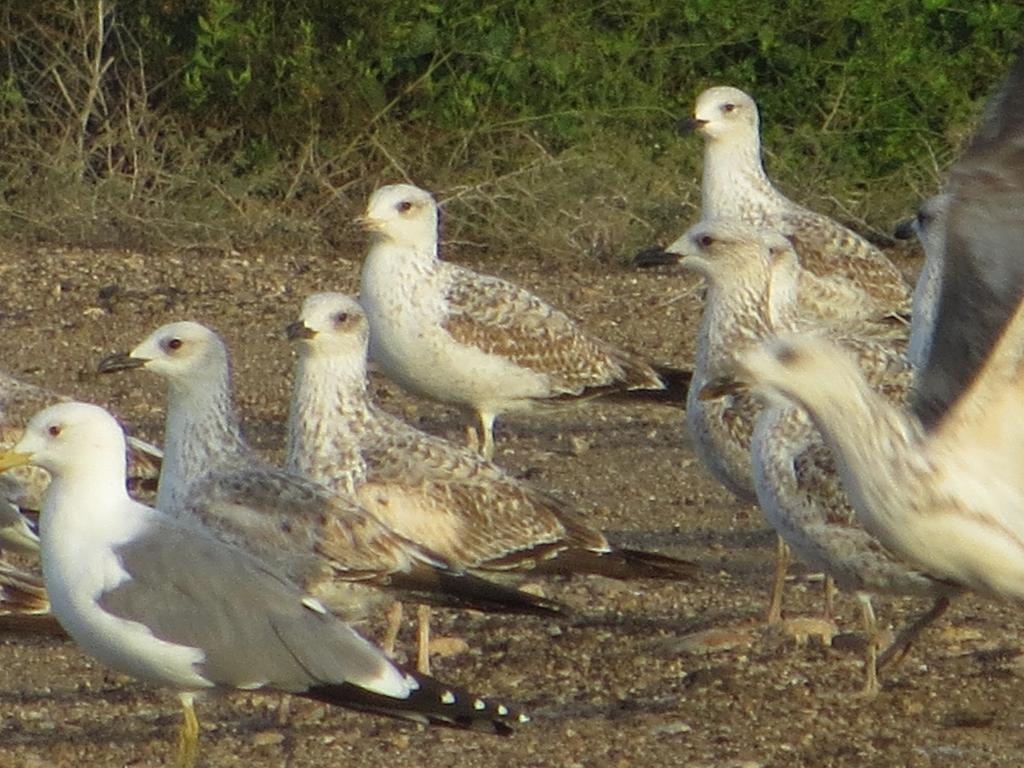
<point x="632" y="680"/>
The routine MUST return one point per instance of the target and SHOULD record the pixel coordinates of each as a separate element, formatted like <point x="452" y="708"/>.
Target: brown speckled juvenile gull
<point x="735" y="186"/>
<point x="444" y="497"/>
<point x="983" y="251"/>
<point x="325" y="542"/>
<point x="752" y="295"/>
<point x="472" y="340"/>
<point x="164" y="601"/>
<point x="438" y="494"/>
<point x="801" y="495"/>
<point x="950" y="501"/>
<point x="734" y="259"/>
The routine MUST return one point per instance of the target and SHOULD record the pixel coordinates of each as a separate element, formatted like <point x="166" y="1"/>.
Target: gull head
<point x="67" y="438"/>
<point x="401" y="214"/>
<point x="729" y="252"/>
<point x="725" y="113"/>
<point x="803" y="368"/>
<point x="929" y="224"/>
<point x="181" y="352"/>
<point x="331" y="324"/>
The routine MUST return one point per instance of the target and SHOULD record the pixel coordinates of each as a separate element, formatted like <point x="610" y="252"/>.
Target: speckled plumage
<point x="471" y="340"/>
<point x="949" y="500"/>
<point x="799" y="489"/>
<point x="326" y="542"/>
<point x="736" y="187"/>
<point x="792" y="471"/>
<point x="735" y="261"/>
<point x="442" y="496"/>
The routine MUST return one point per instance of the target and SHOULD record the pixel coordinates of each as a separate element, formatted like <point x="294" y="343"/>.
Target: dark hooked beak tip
<point x="690" y="125"/>
<point x="120" y="362"/>
<point x="904" y="230"/>
<point x="721" y="387"/>
<point x="299" y="330"/>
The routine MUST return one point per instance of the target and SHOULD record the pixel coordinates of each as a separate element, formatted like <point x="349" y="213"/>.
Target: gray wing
<point x="983" y="270"/>
<point x="253" y="625"/>
<point x="258" y="630"/>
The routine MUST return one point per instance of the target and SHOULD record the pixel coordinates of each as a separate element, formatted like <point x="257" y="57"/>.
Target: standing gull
<point x="735" y="186"/>
<point x="444" y="497"/>
<point x="753" y="282"/>
<point x="733" y="259"/>
<point x="161" y="600"/>
<point x="793" y="471"/>
<point x="948" y="500"/>
<point x="982" y="251"/>
<point x="438" y="494"/>
<point x="472" y="340"/>
<point x="325" y="542"/>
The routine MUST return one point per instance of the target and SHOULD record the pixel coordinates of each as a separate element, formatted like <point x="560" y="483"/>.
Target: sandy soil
<point x="625" y="683"/>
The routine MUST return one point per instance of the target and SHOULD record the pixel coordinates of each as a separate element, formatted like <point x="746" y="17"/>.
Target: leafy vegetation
<point x="237" y="123"/>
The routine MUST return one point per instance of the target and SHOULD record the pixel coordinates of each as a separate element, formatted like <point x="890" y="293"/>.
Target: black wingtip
<point x="458" y="589"/>
<point x="432" y="703"/>
<point x="651" y="565"/>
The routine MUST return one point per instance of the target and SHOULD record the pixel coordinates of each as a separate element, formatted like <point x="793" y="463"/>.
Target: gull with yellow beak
<point x="164" y="601"/>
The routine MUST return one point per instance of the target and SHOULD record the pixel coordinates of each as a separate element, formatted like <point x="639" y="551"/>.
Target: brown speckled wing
<point x="502" y="319"/>
<point x="465" y="508"/>
<point x="827" y="248"/>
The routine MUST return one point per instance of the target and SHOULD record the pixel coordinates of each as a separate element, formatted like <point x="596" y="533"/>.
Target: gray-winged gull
<point x="163" y="601"/>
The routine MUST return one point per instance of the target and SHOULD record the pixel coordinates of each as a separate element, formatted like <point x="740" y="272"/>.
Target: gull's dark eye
<point x="54" y="430"/>
<point x="174" y="344"/>
<point x="405" y="206"/>
<point x="787" y="355"/>
<point x="705" y="241"/>
<point x="728" y="107"/>
<point x="340" y="318"/>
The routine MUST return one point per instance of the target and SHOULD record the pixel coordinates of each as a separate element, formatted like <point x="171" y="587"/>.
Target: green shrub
<point x="261" y="111"/>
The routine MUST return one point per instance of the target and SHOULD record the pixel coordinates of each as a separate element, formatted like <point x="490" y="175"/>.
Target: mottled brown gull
<point x="949" y="501"/>
<point x="163" y="601"/>
<point x="325" y="542"/>
<point x="734" y="259"/>
<point x="445" y="497"/>
<point x="471" y="340"/>
<point x="752" y="296"/>
<point x="736" y="187"/>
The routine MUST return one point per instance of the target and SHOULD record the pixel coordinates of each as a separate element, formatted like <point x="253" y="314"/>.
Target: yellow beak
<point x="12" y="459"/>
